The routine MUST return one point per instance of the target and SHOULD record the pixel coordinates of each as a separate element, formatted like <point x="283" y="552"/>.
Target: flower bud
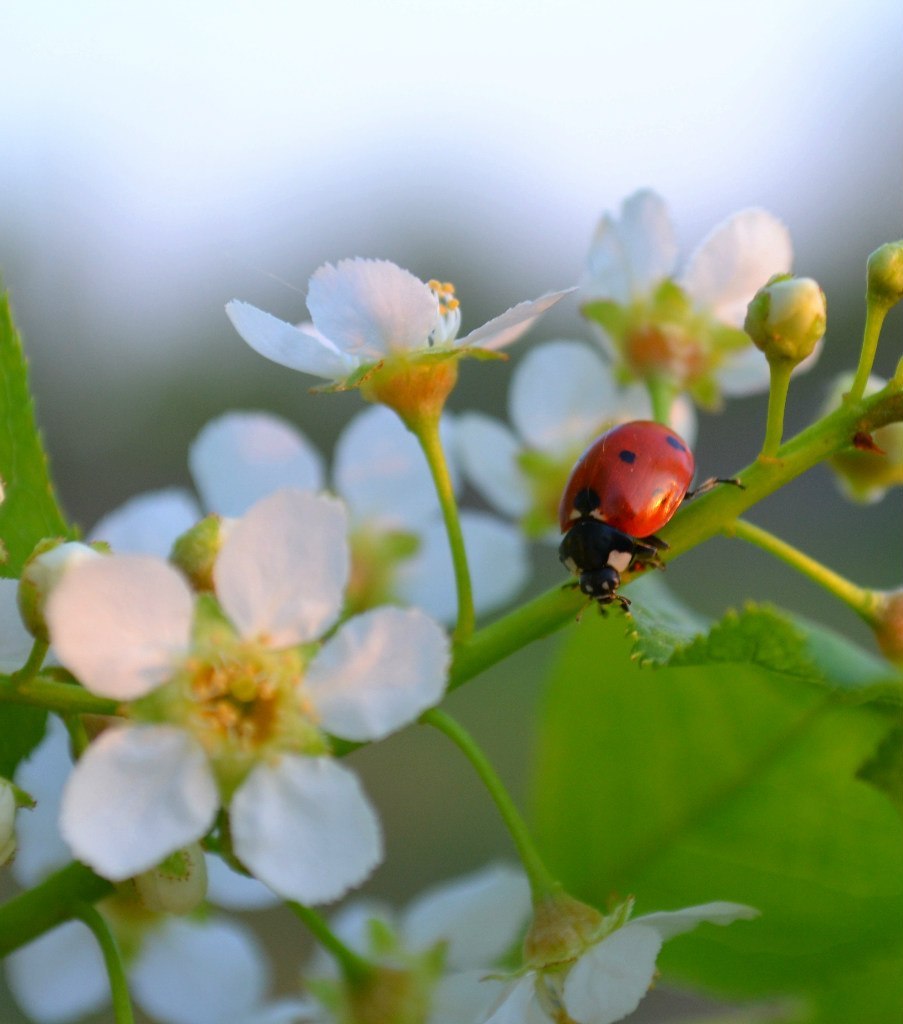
<point x="195" y="551"/>
<point x="889" y="626"/>
<point x="786" y="318"/>
<point x="8" y="804"/>
<point x="176" y="886"/>
<point x="43" y="571"/>
<point x="866" y="470"/>
<point x="885" y="274"/>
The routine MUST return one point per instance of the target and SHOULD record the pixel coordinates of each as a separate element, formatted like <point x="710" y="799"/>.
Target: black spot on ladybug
<point x="586" y="501"/>
<point x="675" y="443"/>
<point x="627" y="456"/>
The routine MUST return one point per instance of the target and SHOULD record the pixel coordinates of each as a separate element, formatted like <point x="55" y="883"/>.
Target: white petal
<point x="488" y="454"/>
<point x="121" y="624"/>
<point x="735" y="260"/>
<point x="480" y="916"/>
<point x="611" y="978"/>
<point x="648" y="238"/>
<point x="136" y="794"/>
<point x="305" y="828"/>
<point x="744" y="373"/>
<point x="233" y="891"/>
<point x="561" y="393"/>
<point x="378" y="673"/>
<point x="285" y="1011"/>
<point x="371" y="307"/>
<point x="351" y="924"/>
<point x="630" y="256"/>
<point x="669" y="923"/>
<point x="148" y="523"/>
<point x="288" y="345"/>
<point x="15" y="640"/>
<point x="242" y="457"/>
<point x="40" y="847"/>
<point x="465" y="998"/>
<point x="519" y="1005"/>
<point x="380" y="470"/>
<point x="60" y="976"/>
<point x="281" y="573"/>
<point x="498" y="559"/>
<point x="199" y="972"/>
<point x="504" y="329"/>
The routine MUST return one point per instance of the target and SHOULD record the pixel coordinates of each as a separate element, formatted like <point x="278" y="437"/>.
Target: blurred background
<point x="161" y="159"/>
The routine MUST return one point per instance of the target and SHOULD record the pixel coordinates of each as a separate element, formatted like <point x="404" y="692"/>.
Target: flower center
<point x="448" y="322"/>
<point x="242" y="701"/>
<point x="666" y="350"/>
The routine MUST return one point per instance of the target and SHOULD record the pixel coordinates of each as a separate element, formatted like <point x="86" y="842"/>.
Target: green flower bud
<point x="786" y="318"/>
<point x="43" y="571"/>
<point x="176" y="886"/>
<point x="195" y="552"/>
<point x="885" y="274"/>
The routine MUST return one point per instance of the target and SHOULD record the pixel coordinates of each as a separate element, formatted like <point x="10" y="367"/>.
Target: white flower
<point x="685" y="326"/>
<point x="380" y="472"/>
<point x="562" y="396"/>
<point x="363" y="310"/>
<point x="60" y="976"/>
<point x="610" y="976"/>
<point x="471" y="922"/>
<point x="234" y="710"/>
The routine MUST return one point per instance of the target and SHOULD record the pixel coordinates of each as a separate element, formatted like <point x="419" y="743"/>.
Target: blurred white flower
<point x="686" y="327"/>
<point x="448" y="938"/>
<point x="562" y="396"/>
<point x="398" y="545"/>
<point x="609" y="978"/>
<point x="208" y="971"/>
<point x="234" y="706"/>
<point x="363" y="310"/>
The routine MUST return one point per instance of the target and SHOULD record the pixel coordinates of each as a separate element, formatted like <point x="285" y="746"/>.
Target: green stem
<point x="541" y="881"/>
<point x="777" y="399"/>
<point x="427" y="433"/>
<point x="875" y="312"/>
<point x="356" y="970"/>
<point x="35" y="660"/>
<point x="661" y="396"/>
<point x="864" y="602"/>
<point x="119" y="989"/>
<point x="55" y="900"/>
<point x="67" y="698"/>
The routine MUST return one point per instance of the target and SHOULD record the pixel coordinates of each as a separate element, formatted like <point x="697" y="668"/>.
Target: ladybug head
<point x="601" y="584"/>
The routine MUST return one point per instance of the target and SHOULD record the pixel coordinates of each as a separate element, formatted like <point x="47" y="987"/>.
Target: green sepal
<point x="610" y="316"/>
<point x="29" y="511"/>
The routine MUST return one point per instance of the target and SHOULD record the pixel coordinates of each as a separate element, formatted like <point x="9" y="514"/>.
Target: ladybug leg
<point x="711" y="484"/>
<point x="646" y="553"/>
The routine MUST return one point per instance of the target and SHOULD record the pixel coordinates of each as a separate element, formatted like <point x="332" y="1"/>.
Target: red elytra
<point x="633" y="477"/>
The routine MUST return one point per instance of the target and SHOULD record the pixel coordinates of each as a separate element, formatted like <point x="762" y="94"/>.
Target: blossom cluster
<point x="242" y="638"/>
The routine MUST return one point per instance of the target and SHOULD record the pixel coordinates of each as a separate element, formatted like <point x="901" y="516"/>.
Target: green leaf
<point x="29" y="511"/>
<point x="21" y="730"/>
<point x="723" y="780"/>
<point x="668" y="632"/>
<point x="884" y="768"/>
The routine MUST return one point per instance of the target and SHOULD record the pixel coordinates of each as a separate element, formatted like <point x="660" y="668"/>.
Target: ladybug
<point x="624" y="487"/>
